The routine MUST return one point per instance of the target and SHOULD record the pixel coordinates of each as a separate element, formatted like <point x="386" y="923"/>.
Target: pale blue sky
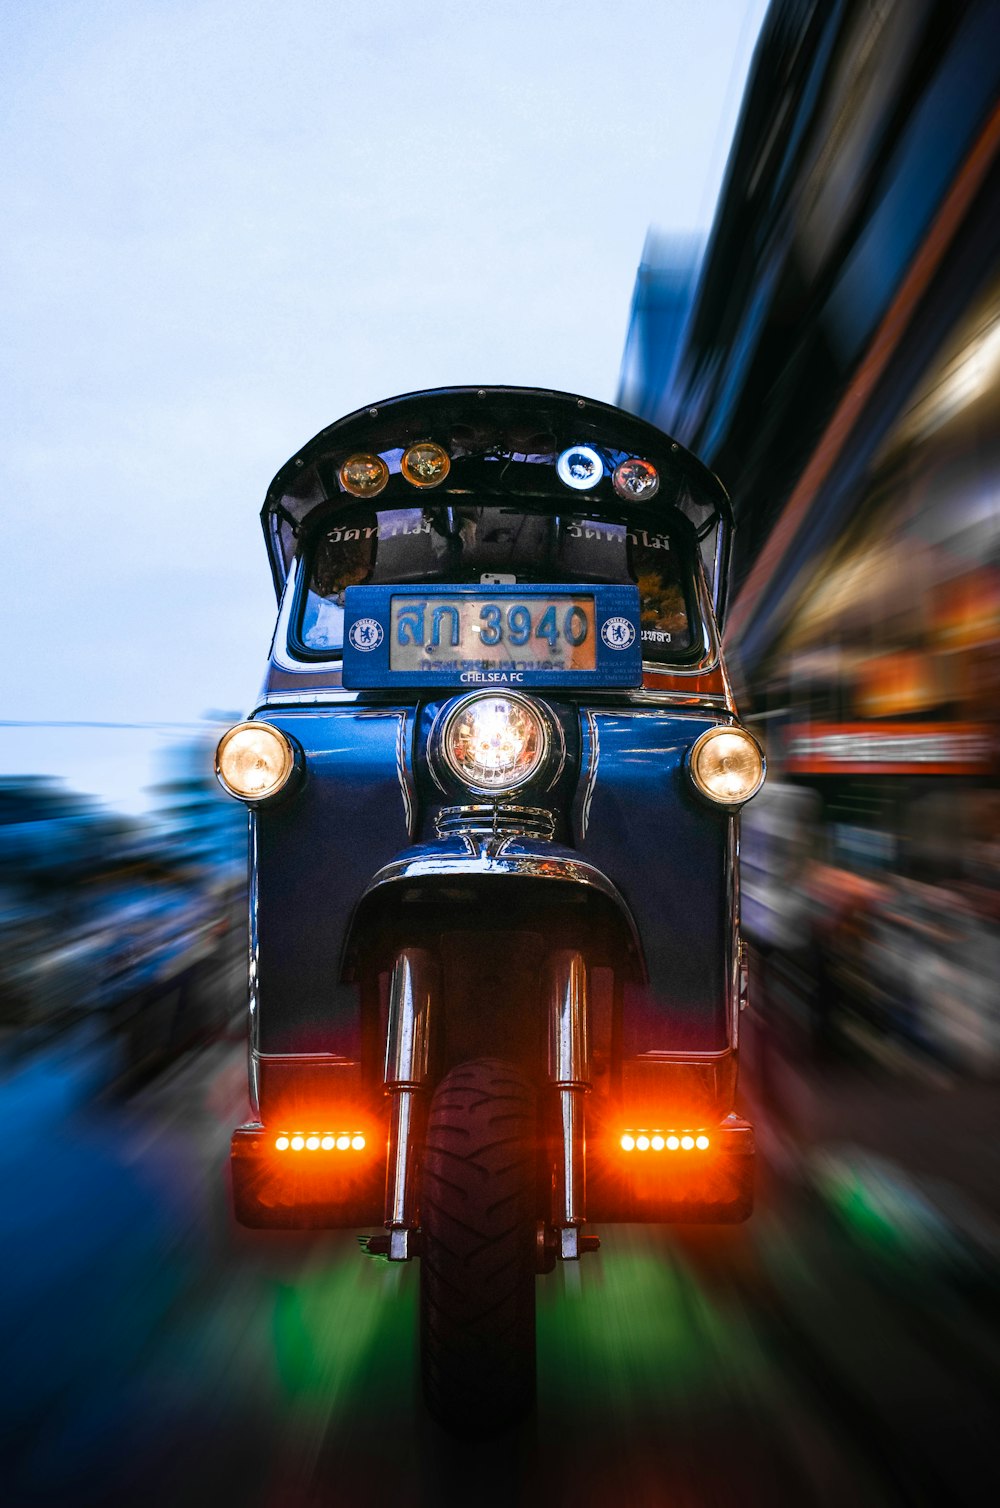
<point x="228" y="223"/>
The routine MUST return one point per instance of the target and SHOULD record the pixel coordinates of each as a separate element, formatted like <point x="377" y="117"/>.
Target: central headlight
<point x="493" y="743"/>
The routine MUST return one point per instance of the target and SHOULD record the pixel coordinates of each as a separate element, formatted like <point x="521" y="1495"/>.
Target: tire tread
<point x="477" y="1276"/>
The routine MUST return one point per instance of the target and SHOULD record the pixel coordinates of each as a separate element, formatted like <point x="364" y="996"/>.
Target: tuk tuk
<point x="494" y="776"/>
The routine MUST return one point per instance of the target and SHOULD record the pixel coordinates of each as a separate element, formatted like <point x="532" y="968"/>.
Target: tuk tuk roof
<point x="479" y="424"/>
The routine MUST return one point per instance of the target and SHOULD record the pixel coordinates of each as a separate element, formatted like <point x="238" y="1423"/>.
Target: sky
<point x="226" y="225"/>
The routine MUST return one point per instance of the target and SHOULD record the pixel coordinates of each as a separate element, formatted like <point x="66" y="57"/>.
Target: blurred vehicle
<point x="166" y="974"/>
<point x="494" y="777"/>
<point x="96" y="929"/>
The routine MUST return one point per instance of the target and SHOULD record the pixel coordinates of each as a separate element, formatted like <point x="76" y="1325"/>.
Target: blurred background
<point x="225" y="227"/>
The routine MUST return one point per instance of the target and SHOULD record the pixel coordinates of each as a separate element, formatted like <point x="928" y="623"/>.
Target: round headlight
<point x="494" y="743"/>
<point x="363" y="475"/>
<point x="580" y="467"/>
<point x="254" y="761"/>
<point x="727" y="766"/>
<point x="425" y="464"/>
<point x="635" y="478"/>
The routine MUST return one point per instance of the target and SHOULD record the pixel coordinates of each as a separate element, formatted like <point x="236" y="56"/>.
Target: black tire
<point x="477" y="1270"/>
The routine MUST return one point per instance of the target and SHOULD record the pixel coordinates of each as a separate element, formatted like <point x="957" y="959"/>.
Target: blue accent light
<point x="580" y="467"/>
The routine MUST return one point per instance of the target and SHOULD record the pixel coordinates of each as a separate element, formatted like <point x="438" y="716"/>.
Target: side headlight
<point x="254" y="761"/>
<point x="727" y="766"/>
<point x="492" y="743"/>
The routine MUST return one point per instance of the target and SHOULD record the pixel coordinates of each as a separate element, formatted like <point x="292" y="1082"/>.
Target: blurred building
<point x="840" y="370"/>
<point x="661" y="303"/>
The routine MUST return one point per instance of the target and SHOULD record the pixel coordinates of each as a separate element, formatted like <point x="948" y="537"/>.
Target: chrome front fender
<point x="497" y="861"/>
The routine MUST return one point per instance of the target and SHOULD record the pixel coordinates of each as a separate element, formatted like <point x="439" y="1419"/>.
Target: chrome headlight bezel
<point x="695" y="751"/>
<point x="544" y="772"/>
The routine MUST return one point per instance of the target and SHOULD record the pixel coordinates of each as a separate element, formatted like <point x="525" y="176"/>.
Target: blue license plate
<point x="523" y="635"/>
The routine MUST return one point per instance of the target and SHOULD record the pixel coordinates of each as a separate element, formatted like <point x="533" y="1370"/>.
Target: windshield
<point x="493" y="546"/>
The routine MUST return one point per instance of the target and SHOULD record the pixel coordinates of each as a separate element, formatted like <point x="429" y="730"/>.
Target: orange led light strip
<point x="343" y="1141"/>
<point x="670" y="1141"/>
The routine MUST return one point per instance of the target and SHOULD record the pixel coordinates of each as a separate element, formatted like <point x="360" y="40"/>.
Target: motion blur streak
<point x="154" y="1352"/>
<point x="160" y="1355"/>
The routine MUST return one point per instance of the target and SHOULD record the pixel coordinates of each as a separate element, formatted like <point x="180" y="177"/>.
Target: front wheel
<point x="477" y="1270"/>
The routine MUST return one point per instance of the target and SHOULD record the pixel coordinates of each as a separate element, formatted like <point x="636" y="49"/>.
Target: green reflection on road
<point x="332" y="1318"/>
<point x="636" y="1322"/>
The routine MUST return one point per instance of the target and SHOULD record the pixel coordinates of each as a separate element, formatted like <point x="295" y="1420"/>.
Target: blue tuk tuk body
<point x="613" y="856"/>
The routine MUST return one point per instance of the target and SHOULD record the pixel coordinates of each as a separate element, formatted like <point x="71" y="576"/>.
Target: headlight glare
<point x="254" y="761"/>
<point x="727" y="766"/>
<point x="494" y="743"/>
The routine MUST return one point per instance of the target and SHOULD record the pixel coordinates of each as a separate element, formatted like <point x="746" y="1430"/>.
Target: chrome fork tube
<point x="407" y="1056"/>
<point x="569" y="1071"/>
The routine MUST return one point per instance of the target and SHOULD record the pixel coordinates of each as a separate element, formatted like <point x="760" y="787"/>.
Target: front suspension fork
<point x="569" y="1073"/>
<point x="407" y="1059"/>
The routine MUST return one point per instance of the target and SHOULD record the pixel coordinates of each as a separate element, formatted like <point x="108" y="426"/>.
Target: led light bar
<point x="327" y="1141"/>
<point x="659" y="1141"/>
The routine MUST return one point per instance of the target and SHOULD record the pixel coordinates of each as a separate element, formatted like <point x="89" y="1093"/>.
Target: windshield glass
<point x="492" y="546"/>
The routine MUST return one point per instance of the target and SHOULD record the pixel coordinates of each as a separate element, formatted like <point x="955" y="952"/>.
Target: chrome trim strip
<point x="253" y="998"/>
<point x="595" y="757"/>
<point x="730" y="698"/>
<point x="403" y="775"/>
<point x="316" y="1059"/>
<point x="569" y="1074"/>
<point x="496" y="820"/>
<point x="303" y="699"/>
<point x="692" y="1059"/>
<point x="640" y="697"/>
<point x="733" y="857"/>
<point x="696" y="699"/>
<point x="702" y="668"/>
<point x="724" y="719"/>
<point x="407" y="1060"/>
<point x="279" y="644"/>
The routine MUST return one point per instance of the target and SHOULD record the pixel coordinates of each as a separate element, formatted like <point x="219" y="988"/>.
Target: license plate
<point x="530" y="633"/>
<point x="496" y="635"/>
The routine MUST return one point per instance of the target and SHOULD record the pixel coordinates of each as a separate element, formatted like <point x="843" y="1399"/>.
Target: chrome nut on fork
<point x="407" y="1058"/>
<point x="569" y="1072"/>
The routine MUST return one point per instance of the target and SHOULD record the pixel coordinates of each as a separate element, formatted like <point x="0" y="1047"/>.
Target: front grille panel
<point x="493" y="820"/>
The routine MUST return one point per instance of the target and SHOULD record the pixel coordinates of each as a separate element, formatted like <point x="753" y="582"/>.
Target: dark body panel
<point x="670" y="856"/>
<point x="314" y="855"/>
<point x="628" y="810"/>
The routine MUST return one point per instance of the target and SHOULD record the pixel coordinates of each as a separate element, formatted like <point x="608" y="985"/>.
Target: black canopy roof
<point x="523" y="429"/>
